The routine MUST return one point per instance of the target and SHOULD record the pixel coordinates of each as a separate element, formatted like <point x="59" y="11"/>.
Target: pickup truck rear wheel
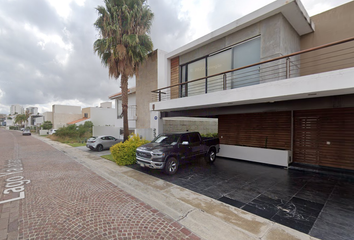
<point x="171" y="166"/>
<point x="210" y="156"/>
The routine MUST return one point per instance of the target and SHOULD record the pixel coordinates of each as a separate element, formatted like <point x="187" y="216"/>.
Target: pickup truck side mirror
<point x="185" y="143"/>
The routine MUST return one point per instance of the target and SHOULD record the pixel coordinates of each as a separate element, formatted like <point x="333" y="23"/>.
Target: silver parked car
<point x="26" y="132"/>
<point x="101" y="142"/>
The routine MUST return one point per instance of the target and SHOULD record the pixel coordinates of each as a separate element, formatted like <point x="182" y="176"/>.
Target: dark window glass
<point x="167" y="139"/>
<point x="194" y="137"/>
<point x="184" y="138"/>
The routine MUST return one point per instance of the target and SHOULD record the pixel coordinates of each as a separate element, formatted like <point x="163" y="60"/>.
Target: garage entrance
<point x="325" y="137"/>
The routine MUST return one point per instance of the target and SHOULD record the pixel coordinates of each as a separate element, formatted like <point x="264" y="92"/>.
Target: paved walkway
<point x="70" y="194"/>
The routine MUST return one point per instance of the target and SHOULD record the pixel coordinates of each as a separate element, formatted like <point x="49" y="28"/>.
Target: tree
<point x="47" y="125"/>
<point x="20" y="118"/>
<point x="123" y="45"/>
<point x="27" y="115"/>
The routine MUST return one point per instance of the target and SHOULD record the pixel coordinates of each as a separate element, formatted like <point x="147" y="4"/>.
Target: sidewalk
<point x="205" y="217"/>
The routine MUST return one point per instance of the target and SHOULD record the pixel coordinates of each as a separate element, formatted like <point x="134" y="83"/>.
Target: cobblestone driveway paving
<point x="65" y="200"/>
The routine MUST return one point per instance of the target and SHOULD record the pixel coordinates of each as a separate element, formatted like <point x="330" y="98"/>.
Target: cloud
<point x="169" y="30"/>
<point x="51" y="62"/>
<point x="46" y="53"/>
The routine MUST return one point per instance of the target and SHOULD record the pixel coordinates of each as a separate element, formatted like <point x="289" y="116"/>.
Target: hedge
<point x="123" y="153"/>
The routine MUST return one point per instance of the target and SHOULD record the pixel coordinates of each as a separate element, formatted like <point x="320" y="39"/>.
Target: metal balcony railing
<point x="328" y="57"/>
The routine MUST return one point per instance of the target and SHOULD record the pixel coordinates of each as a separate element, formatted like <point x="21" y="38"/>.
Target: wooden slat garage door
<point x="325" y="137"/>
<point x="263" y="130"/>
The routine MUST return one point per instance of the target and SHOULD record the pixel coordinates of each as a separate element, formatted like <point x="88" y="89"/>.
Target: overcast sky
<point x="46" y="54"/>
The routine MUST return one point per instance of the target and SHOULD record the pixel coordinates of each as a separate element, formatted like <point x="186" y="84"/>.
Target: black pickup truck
<point x="167" y="151"/>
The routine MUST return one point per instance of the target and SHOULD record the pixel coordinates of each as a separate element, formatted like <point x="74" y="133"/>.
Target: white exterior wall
<point x="146" y="133"/>
<point x="62" y="114"/>
<point x="261" y="155"/>
<point x="163" y="69"/>
<point x="61" y="119"/>
<point x="103" y="116"/>
<point x="106" y="105"/>
<point x="66" y="109"/>
<point x="106" y="130"/>
<point x="9" y="122"/>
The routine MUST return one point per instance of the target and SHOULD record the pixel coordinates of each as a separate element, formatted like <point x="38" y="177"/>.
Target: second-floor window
<point x="243" y="54"/>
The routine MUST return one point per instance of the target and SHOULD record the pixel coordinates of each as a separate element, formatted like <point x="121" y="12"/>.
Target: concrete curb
<point x="204" y="216"/>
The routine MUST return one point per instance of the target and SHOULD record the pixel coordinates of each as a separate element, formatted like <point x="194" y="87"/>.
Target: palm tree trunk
<point x="124" y="87"/>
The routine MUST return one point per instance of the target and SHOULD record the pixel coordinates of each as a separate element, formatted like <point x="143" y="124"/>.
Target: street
<point x="47" y="195"/>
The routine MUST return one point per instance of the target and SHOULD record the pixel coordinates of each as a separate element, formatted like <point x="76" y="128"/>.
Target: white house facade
<point x="280" y="87"/>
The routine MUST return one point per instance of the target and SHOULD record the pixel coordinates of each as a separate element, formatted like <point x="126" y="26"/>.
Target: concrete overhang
<point x="333" y="83"/>
<point x="292" y="10"/>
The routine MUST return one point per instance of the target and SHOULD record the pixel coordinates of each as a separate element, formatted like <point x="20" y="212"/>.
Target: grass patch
<point x="74" y="142"/>
<point x="108" y="157"/>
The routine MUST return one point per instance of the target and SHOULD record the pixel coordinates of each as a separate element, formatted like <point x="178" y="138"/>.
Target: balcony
<point x="314" y="72"/>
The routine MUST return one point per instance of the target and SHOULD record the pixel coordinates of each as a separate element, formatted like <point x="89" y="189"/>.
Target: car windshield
<point x="166" y="139"/>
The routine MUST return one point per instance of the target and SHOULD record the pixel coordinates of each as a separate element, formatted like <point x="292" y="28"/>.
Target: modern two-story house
<point x="279" y="82"/>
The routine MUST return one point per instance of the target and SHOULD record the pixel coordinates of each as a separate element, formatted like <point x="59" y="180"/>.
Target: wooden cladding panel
<point x="264" y="130"/>
<point x="174" y="77"/>
<point x="329" y="141"/>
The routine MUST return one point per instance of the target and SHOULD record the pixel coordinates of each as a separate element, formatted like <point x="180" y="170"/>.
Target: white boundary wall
<point x="261" y="155"/>
<point x="146" y="133"/>
<point x="106" y="130"/>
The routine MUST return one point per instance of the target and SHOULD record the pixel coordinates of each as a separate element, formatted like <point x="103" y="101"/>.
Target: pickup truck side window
<point x="184" y="138"/>
<point x="194" y="137"/>
<point x="167" y="139"/>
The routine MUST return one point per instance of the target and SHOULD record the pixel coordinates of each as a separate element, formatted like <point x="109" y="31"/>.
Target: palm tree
<point x="123" y="45"/>
<point x="20" y="118"/>
<point x="27" y="115"/>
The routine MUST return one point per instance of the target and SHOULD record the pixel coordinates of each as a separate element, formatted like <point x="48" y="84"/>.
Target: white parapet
<point x="261" y="155"/>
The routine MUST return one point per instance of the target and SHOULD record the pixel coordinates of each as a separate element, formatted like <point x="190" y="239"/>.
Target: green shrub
<point x="123" y="153"/>
<point x="209" y="135"/>
<point x="47" y="125"/>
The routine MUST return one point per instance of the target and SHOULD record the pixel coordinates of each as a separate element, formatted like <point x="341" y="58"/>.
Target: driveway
<point x="96" y="153"/>
<point x="321" y="205"/>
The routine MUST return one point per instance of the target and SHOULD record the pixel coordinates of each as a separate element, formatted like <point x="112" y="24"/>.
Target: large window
<point x="218" y="63"/>
<point x="240" y="55"/>
<point x="196" y="70"/>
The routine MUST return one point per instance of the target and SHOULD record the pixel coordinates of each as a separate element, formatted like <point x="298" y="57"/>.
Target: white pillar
<point x="156" y="123"/>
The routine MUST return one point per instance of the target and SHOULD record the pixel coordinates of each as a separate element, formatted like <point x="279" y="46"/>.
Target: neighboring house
<point x="16" y="109"/>
<point x="103" y="119"/>
<point x="48" y="116"/>
<point x="36" y="120"/>
<point x="2" y="119"/>
<point x="62" y="114"/>
<point x="274" y="104"/>
<point x="9" y="122"/>
<point x="118" y="116"/>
